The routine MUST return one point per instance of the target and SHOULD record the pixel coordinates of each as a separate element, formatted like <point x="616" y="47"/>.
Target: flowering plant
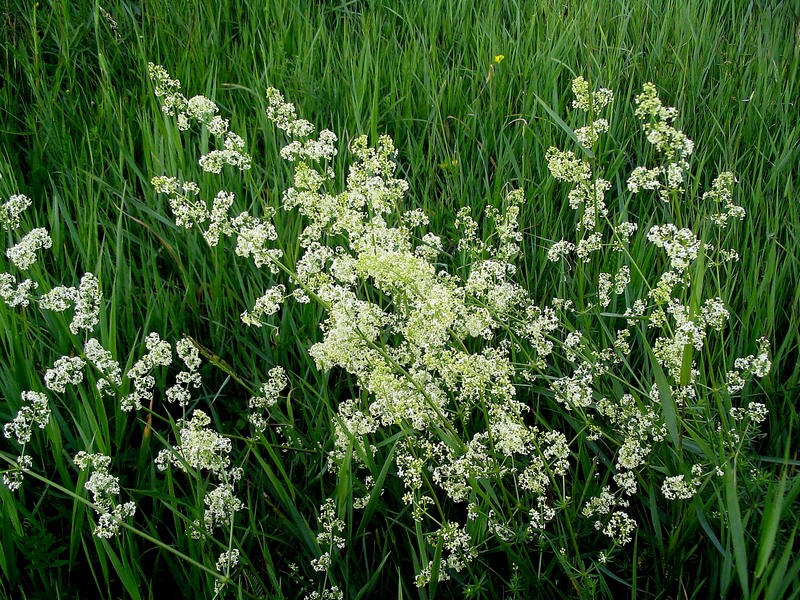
<point x="485" y="419"/>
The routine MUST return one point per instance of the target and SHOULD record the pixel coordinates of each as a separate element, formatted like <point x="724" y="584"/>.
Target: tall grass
<point x="82" y="136"/>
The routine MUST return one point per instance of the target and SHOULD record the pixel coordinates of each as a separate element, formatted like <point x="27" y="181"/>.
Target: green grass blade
<point x="736" y="528"/>
<point x="773" y="510"/>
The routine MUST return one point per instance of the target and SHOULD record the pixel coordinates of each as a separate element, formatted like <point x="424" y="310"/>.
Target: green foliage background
<point x="81" y="134"/>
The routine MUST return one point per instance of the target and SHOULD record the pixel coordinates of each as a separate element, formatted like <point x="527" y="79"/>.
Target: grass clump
<point x="410" y="376"/>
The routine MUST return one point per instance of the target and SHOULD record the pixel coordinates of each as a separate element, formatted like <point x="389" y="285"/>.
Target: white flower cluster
<point x="198" y="448"/>
<point x="86" y="298"/>
<point x="414" y="382"/>
<point x="589" y="134"/>
<point x="457" y="550"/>
<point x="662" y="292"/>
<point x="201" y="448"/>
<point x="454" y="471"/>
<point x="722" y="193"/>
<point x="267" y="304"/>
<point x="488" y="281"/>
<point x="104" y="362"/>
<point x="66" y="370"/>
<point x="560" y="249"/>
<point x="159" y="353"/>
<point x="620" y="527"/>
<point x="172" y="101"/>
<point x="267" y="397"/>
<point x="104" y="488"/>
<point x="592" y="103"/>
<point x="254" y="237"/>
<point x="688" y="331"/>
<point x="540" y="516"/>
<point x="565" y="166"/>
<point x="469" y="240"/>
<point x="331" y="593"/>
<point x="204" y="111"/>
<point x="506" y="228"/>
<point x="58" y="299"/>
<point x="233" y="155"/>
<point x="677" y="487"/>
<point x="220" y="222"/>
<point x="226" y="563"/>
<point x="588" y="193"/>
<point x="101" y="483"/>
<point x="12" y="209"/>
<point x="190" y="356"/>
<point x="642" y="178"/>
<point x="575" y="391"/>
<point x="329" y="537"/>
<point x="323" y="148"/>
<point x="672" y="143"/>
<point x="639" y="427"/>
<point x="754" y="365"/>
<point x="755" y="411"/>
<point x="587" y="100"/>
<point x="23" y="255"/>
<point x="254" y="234"/>
<point x="14" y="293"/>
<point x="681" y="245"/>
<point x="221" y="503"/>
<point x="626" y="229"/>
<point x="87" y="304"/>
<point x="187" y="211"/>
<point x="18" y="293"/>
<point x="13" y="479"/>
<point x="284" y="116"/>
<point x="602" y="504"/>
<point x="35" y="410"/>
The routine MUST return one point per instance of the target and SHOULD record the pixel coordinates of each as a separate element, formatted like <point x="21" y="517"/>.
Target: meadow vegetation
<point x="350" y="299"/>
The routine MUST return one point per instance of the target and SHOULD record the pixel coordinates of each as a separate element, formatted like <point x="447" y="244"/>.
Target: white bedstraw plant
<point x="34" y="407"/>
<point x="449" y="360"/>
<point x="104" y="488"/>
